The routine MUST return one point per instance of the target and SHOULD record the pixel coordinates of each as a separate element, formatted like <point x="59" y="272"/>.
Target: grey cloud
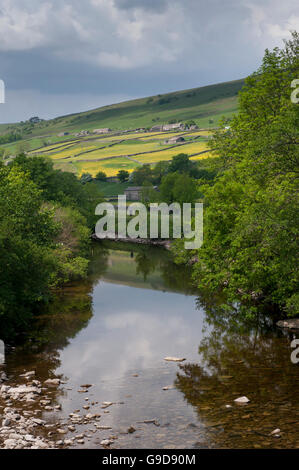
<point x="154" y="5"/>
<point x="130" y="48"/>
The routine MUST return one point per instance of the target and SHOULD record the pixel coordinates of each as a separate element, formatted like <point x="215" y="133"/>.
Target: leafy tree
<point x="27" y="232"/>
<point x="159" y="170"/>
<point x="85" y="178"/>
<point x="176" y="187"/>
<point x="149" y="194"/>
<point x="10" y="137"/>
<point x="180" y="163"/>
<point x="101" y="176"/>
<point x="45" y="221"/>
<point x="123" y="175"/>
<point x="61" y="187"/>
<point x="251" y="213"/>
<point x="166" y="187"/>
<point x="142" y="174"/>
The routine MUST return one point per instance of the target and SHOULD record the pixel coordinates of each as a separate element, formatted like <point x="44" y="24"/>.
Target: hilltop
<point x="70" y="141"/>
<point x="199" y="104"/>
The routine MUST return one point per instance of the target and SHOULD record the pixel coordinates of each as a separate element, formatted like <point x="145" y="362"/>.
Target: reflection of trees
<point x="235" y="360"/>
<point x="177" y="278"/>
<point x="146" y="262"/>
<point x="62" y="320"/>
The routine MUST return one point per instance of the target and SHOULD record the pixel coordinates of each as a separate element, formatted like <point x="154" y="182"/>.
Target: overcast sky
<point x="59" y="57"/>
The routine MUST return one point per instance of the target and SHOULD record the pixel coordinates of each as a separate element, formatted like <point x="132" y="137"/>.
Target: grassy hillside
<point x="123" y="151"/>
<point x="127" y="150"/>
<point x="200" y="104"/>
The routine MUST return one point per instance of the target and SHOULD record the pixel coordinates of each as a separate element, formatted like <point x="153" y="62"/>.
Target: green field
<point x="112" y="189"/>
<point x="124" y="148"/>
<point x="200" y="104"/>
<point x="92" y="156"/>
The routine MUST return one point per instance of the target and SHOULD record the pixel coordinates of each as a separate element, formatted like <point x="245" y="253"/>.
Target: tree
<point x="177" y="187"/>
<point x="27" y="232"/>
<point x="123" y="175"/>
<point x="159" y="170"/>
<point x="45" y="220"/>
<point x="85" y="178"/>
<point x="180" y="163"/>
<point x="251" y="212"/>
<point x="143" y="174"/>
<point x="101" y="176"/>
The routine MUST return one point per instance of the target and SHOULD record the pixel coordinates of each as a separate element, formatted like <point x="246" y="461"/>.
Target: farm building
<point x="133" y="193"/>
<point x="81" y="133"/>
<point x="102" y="131"/>
<point x="157" y="128"/>
<point x="61" y="134"/>
<point x="171" y="127"/>
<point x="174" y="140"/>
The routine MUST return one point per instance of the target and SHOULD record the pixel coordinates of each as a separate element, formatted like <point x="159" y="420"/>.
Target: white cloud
<point x="139" y="47"/>
<point x="21" y="28"/>
<point x="126" y="34"/>
<point x="279" y="32"/>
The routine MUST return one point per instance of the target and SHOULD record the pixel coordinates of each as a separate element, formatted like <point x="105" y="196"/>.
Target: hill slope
<point x="199" y="104"/>
<point x="127" y="150"/>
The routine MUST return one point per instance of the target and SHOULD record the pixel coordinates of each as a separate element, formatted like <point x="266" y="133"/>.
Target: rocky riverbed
<point x="22" y="412"/>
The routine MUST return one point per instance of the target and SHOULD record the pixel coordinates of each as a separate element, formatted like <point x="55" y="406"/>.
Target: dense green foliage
<point x="10" y="137"/>
<point x="178" y="187"/>
<point x="251" y="212"/>
<point x="101" y="176"/>
<point x="179" y="164"/>
<point x="45" y="222"/>
<point x="123" y="176"/>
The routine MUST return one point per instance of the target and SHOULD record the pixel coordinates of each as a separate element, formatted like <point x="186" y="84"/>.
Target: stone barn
<point x="174" y="140"/>
<point x="133" y="193"/>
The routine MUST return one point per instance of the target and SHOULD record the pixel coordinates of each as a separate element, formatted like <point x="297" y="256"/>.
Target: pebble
<point x="52" y="382"/>
<point x="174" y="359"/>
<point x="242" y="400"/>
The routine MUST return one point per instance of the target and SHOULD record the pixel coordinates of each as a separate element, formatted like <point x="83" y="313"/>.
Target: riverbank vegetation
<point x="250" y="247"/>
<point x="46" y="217"/>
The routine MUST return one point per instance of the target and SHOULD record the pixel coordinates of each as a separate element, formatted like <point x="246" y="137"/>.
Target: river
<point x="113" y="331"/>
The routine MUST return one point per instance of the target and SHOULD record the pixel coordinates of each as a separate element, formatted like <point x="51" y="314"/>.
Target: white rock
<point x="51" y="382"/>
<point x="24" y="389"/>
<point x="242" y="400"/>
<point x="28" y="374"/>
<point x="106" y="442"/>
<point x="276" y="431"/>
<point x="174" y="359"/>
<point x="38" y="421"/>
<point x="9" y="443"/>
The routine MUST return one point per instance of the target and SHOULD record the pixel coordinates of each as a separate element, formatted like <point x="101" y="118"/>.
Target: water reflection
<point x="135" y="308"/>
<point x="238" y="360"/>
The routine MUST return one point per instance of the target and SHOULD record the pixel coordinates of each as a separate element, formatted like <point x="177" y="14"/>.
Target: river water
<point x="113" y="332"/>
